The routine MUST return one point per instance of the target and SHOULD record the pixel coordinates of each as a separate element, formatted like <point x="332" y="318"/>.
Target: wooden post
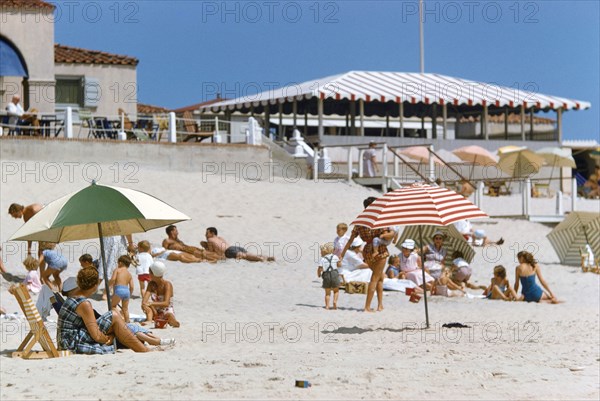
<point x="361" y="108"/>
<point x="350" y="163"/>
<point x="387" y="123"/>
<point x="445" y="120"/>
<point x="531" y="124"/>
<point x="401" y="117"/>
<point x="295" y="113"/>
<point x="484" y="123"/>
<point x="559" y="127"/>
<point x="280" y="133"/>
<point x="423" y="126"/>
<point x="506" y="123"/>
<point x="522" y="123"/>
<point x="353" y="117"/>
<point x="267" y="126"/>
<point x="434" y="121"/>
<point x="320" y="112"/>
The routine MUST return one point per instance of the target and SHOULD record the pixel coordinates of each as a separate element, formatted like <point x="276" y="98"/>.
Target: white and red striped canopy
<point x="401" y="87"/>
<point x="419" y="204"/>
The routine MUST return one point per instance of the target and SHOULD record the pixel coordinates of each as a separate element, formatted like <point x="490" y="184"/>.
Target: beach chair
<point x="37" y="332"/>
<point x="193" y="132"/>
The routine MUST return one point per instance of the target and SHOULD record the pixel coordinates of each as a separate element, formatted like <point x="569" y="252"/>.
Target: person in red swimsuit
<point x="375" y="260"/>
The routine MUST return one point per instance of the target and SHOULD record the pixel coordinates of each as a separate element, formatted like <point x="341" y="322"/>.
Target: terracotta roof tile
<point x="67" y="54"/>
<point x="150" y="109"/>
<point x="27" y="4"/>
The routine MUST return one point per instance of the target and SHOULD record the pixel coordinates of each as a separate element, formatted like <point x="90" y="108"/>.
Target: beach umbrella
<point x="420" y="154"/>
<point x="420" y="205"/>
<point x="97" y="211"/>
<point x="572" y="235"/>
<point x="519" y="161"/>
<point x="448" y="156"/>
<point x="454" y="240"/>
<point x="476" y="155"/>
<point x="557" y="157"/>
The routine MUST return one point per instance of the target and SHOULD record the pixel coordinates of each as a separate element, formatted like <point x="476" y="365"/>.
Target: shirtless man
<point x="219" y="246"/>
<point x="172" y="242"/>
<point x="26" y="212"/>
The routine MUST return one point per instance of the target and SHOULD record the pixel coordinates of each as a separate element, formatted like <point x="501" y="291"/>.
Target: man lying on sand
<point x="218" y="245"/>
<point x="173" y="243"/>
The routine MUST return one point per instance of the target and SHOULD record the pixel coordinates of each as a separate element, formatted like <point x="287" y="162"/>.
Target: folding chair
<point x="37" y="333"/>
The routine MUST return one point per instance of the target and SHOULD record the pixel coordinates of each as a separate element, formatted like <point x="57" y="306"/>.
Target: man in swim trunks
<point x="26" y="212"/>
<point x="218" y="245"/>
<point x="173" y="243"/>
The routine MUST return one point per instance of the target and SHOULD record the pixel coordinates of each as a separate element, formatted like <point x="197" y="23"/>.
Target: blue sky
<point x="189" y="50"/>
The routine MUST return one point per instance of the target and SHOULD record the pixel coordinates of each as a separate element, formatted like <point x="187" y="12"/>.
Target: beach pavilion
<point x="448" y="111"/>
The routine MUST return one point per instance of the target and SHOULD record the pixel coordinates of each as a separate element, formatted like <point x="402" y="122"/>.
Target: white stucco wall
<point x="117" y="83"/>
<point x="32" y="32"/>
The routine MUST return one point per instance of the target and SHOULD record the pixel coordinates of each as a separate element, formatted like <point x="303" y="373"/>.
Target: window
<point x="69" y="91"/>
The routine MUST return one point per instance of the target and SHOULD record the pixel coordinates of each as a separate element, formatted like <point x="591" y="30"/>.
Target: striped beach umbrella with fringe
<point x="419" y="204"/>
<point x="573" y="233"/>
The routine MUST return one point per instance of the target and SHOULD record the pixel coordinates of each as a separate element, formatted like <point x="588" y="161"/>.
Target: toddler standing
<point x="32" y="280"/>
<point x="143" y="268"/>
<point x="122" y="281"/>
<point x="327" y="270"/>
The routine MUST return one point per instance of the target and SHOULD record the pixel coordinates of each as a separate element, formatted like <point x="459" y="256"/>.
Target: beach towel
<point x="395" y="284"/>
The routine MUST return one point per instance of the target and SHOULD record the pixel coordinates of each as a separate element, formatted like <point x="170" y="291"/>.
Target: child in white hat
<point x="157" y="303"/>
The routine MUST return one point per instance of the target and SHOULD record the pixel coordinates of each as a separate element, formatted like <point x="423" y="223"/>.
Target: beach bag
<point x="331" y="277"/>
<point x="356" y="287"/>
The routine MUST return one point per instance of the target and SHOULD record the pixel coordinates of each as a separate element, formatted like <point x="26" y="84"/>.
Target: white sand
<point x="249" y="330"/>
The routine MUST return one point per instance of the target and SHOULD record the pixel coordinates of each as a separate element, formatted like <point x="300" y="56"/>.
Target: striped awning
<point x="418" y="204"/>
<point x="400" y="87"/>
<point x="454" y="240"/>
<point x="573" y="233"/>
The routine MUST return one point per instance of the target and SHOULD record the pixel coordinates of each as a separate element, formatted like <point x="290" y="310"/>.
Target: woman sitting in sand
<point x="525" y="275"/>
<point x="435" y="254"/>
<point x="410" y="266"/>
<point x="157" y="303"/>
<point x="79" y="330"/>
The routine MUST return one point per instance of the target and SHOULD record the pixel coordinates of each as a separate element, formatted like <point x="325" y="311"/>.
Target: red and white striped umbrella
<point x="419" y="204"/>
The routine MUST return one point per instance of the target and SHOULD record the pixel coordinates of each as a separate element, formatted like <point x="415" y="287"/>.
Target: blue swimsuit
<point x="531" y="291"/>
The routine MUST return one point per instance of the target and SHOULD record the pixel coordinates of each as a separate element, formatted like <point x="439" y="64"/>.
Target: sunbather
<point x="173" y="243"/>
<point x="220" y="247"/>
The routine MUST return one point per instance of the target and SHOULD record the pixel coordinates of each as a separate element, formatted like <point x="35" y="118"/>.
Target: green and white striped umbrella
<point x="98" y="211"/>
<point x="573" y="233"/>
<point x="454" y="240"/>
<point x="119" y="211"/>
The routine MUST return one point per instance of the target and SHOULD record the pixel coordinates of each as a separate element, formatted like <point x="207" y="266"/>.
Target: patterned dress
<point x="72" y="334"/>
<point x="367" y="235"/>
<point x="434" y="260"/>
<point x="113" y="248"/>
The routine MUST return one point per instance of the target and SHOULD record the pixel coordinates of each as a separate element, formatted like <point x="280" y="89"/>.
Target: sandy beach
<point x="249" y="330"/>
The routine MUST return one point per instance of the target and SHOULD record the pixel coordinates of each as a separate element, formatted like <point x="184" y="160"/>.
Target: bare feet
<point x="379" y="308"/>
<point x="173" y="322"/>
<point x="369" y="310"/>
<point x="146" y="322"/>
<point x="335" y="306"/>
<point x="326" y="306"/>
<point x="270" y="259"/>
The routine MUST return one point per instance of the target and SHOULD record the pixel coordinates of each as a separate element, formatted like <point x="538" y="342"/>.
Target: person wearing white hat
<point x="410" y="266"/>
<point x="353" y="259"/>
<point x="157" y="303"/>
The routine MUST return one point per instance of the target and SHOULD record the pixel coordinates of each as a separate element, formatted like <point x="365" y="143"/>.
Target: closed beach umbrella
<point x="419" y="153"/>
<point x="420" y="205"/>
<point x="454" y="240"/>
<point x="97" y="211"/>
<point x="573" y="233"/>
<point x="519" y="162"/>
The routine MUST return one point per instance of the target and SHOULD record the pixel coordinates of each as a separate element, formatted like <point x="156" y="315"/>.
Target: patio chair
<point x="104" y="128"/>
<point x="588" y="262"/>
<point x="37" y="333"/>
<point x="193" y="131"/>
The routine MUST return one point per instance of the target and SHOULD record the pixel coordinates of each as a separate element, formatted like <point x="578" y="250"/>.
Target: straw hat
<point x="440" y="233"/>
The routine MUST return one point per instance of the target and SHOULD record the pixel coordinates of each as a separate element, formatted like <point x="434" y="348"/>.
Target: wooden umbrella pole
<point x="423" y="273"/>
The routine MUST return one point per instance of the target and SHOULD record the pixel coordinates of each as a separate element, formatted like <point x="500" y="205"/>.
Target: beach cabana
<point x="395" y="96"/>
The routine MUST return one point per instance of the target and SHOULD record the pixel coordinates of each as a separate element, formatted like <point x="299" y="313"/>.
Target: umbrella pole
<point x="104" y="269"/>
<point x="423" y="272"/>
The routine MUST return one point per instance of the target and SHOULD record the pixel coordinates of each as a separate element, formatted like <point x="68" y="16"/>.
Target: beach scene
<point x="395" y="229"/>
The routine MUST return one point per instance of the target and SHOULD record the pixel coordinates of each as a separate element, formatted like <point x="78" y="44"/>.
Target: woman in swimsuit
<point x="375" y="259"/>
<point x="525" y="275"/>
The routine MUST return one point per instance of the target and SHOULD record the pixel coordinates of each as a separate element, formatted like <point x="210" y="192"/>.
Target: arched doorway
<point x="12" y="64"/>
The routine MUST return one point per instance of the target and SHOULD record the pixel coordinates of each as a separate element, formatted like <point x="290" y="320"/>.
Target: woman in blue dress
<point x="525" y="275"/>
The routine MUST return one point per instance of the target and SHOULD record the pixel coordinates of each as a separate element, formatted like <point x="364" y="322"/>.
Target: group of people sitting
<point x="427" y="269"/>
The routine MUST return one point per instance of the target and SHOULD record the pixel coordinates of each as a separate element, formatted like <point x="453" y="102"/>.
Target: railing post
<point x="69" y="123"/>
<point x="384" y="168"/>
<point x="573" y="194"/>
<point x="479" y="193"/>
<point x="527" y="196"/>
<point x="560" y="210"/>
<point x="216" y="135"/>
<point x="396" y="166"/>
<point x="431" y="165"/>
<point x="360" y="162"/>
<point x="316" y="165"/>
<point x="172" y="128"/>
<point x="122" y="135"/>
<point x="350" y="164"/>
